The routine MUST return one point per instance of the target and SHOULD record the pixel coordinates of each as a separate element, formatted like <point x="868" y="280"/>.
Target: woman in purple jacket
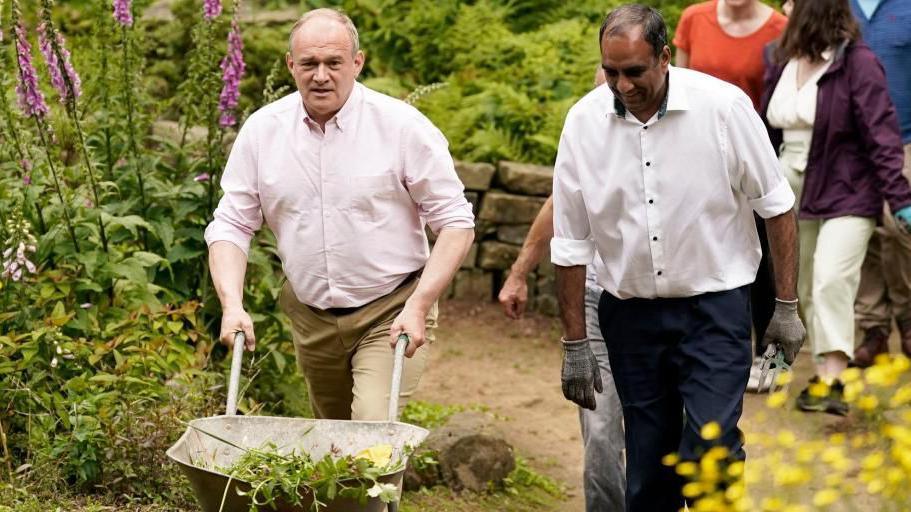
<point x="829" y="111"/>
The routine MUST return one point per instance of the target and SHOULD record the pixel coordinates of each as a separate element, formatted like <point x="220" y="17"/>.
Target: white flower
<point x="387" y="493"/>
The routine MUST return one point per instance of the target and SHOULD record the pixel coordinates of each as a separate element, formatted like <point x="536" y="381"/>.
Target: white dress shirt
<point x="668" y="204"/>
<point x="347" y="206"/>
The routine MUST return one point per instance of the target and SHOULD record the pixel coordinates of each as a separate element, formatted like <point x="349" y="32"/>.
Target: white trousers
<point x="831" y="255"/>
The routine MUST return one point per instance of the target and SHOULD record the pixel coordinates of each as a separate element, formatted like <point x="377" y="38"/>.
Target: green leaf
<point x="131" y="223"/>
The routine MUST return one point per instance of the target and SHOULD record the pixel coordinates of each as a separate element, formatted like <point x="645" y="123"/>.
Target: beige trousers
<point x="885" y="283"/>
<point x="831" y="254"/>
<point x="346" y="359"/>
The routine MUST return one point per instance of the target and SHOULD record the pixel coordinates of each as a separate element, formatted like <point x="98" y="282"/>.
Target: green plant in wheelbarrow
<point x="261" y="463"/>
<point x="296" y="479"/>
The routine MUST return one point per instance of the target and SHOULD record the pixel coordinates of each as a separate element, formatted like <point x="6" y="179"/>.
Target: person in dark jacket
<point x="828" y="108"/>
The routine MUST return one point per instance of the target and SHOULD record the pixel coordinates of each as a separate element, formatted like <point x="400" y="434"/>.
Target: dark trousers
<point x="762" y="291"/>
<point x="678" y="364"/>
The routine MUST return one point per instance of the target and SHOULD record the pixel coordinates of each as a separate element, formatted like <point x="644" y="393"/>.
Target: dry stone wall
<point x="506" y="199"/>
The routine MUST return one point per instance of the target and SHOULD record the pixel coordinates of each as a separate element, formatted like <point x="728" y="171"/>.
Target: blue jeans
<point x="604" y="476"/>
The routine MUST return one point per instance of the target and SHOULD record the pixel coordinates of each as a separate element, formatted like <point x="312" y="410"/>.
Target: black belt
<point x="347" y="311"/>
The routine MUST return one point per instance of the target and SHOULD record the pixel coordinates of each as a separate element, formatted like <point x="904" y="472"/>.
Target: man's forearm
<point x="447" y="255"/>
<point x="784" y="246"/>
<point x="537" y="241"/>
<point x="228" y="266"/>
<point x="571" y="297"/>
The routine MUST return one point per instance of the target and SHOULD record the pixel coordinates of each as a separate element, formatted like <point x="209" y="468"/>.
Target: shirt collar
<point x="674" y="99"/>
<point x="346" y="114"/>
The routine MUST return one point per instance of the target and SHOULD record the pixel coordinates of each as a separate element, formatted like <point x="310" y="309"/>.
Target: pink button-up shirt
<point x="347" y="206"/>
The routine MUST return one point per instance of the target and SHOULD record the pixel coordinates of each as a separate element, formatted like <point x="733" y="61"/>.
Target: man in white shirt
<point x="660" y="173"/>
<point x="346" y="179"/>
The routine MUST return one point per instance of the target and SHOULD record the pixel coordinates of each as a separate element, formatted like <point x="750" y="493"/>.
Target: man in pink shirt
<point x="346" y="178"/>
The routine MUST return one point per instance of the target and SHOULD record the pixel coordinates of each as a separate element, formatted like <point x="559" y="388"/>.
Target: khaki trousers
<point x="831" y="254"/>
<point x="885" y="283"/>
<point x="346" y="359"/>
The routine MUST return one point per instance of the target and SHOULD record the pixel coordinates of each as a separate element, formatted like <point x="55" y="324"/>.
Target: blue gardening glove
<point x="581" y="376"/>
<point x="786" y="332"/>
<point x="903" y="217"/>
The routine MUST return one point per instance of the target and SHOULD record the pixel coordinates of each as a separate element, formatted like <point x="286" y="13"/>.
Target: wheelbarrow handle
<point x="234" y="380"/>
<point x="396" y="387"/>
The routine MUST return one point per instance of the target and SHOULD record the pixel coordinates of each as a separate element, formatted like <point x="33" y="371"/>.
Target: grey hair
<point x="621" y="19"/>
<point x="333" y="14"/>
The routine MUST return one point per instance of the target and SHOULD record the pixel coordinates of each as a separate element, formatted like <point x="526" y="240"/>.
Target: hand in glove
<point x="581" y="376"/>
<point x="785" y="330"/>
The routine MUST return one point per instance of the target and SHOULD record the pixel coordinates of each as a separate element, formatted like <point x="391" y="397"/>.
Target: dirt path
<point x="512" y="367"/>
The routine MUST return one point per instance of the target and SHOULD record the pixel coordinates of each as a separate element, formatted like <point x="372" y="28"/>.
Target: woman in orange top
<point x="726" y="39"/>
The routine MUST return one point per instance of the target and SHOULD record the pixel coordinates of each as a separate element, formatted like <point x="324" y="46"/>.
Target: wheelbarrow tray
<point x="199" y="455"/>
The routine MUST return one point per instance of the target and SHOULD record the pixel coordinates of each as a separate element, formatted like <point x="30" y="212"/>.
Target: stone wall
<point x="505" y="198"/>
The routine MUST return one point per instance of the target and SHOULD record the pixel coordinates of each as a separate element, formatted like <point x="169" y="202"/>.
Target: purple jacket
<point x="856" y="156"/>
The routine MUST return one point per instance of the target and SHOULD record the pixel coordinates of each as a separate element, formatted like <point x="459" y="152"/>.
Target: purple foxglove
<point x="211" y="9"/>
<point x="56" y="68"/>
<point x="31" y="99"/>
<point x="233" y="68"/>
<point x="123" y="12"/>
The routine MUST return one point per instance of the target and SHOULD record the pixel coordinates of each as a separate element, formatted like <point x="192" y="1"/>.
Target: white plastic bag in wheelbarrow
<point x="199" y="453"/>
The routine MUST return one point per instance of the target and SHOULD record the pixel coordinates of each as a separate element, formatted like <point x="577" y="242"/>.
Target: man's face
<point x="633" y="72"/>
<point x="739" y="3"/>
<point x="324" y="66"/>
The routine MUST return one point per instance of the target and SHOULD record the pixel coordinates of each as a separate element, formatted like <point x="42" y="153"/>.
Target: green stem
<point x="50" y="163"/>
<point x="71" y="106"/>
<point x="131" y="130"/>
<point x="10" y="122"/>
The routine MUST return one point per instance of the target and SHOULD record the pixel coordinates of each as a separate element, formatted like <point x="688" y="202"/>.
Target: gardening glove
<point x="785" y="330"/>
<point x="903" y="218"/>
<point x="581" y="376"/>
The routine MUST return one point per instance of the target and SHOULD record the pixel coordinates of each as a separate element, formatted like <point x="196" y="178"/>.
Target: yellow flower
<point x="692" y="489"/>
<point x="876" y="486"/>
<point x="837" y="439"/>
<point x="881" y="374"/>
<point x="853" y="390"/>
<point x="380" y="455"/>
<point x="735" y="469"/>
<point x="901" y="363"/>
<point x="873" y="461"/>
<point x="868" y="403"/>
<point x="777" y="399"/>
<point x="711" y="431"/>
<point x="686" y="468"/>
<point x="795" y="508"/>
<point x="851" y="375"/>
<point x="825" y="497"/>
<point x="772" y="504"/>
<point x="819" y="389"/>
<point x="670" y="459"/>
<point x="895" y="476"/>
<point x="786" y="438"/>
<point x="783" y="378"/>
<point x="833" y="479"/>
<point x="901" y="397"/>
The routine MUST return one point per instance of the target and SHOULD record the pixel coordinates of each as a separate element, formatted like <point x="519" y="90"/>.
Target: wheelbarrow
<point x="212" y="443"/>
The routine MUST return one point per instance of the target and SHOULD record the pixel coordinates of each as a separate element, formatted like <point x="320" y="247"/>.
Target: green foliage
<point x="428" y="415"/>
<point x="297" y="479"/>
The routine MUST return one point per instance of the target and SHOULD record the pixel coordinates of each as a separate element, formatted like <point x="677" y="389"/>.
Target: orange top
<point x="737" y="60"/>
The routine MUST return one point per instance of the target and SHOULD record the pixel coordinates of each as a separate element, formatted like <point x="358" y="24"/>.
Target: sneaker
<point x="755" y="373"/>
<point x="831" y="402"/>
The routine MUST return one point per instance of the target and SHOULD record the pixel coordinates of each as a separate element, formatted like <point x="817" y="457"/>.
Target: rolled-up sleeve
<point x="572" y="244"/>
<point x="431" y="177"/>
<point x="754" y="167"/>
<point x="239" y="214"/>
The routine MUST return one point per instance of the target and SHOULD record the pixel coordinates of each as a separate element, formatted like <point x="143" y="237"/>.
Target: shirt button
<point x="651" y="201"/>
<point x="648" y="164"/>
<point x="645" y="127"/>
<point x="659" y="272"/>
<point x="654" y="238"/>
